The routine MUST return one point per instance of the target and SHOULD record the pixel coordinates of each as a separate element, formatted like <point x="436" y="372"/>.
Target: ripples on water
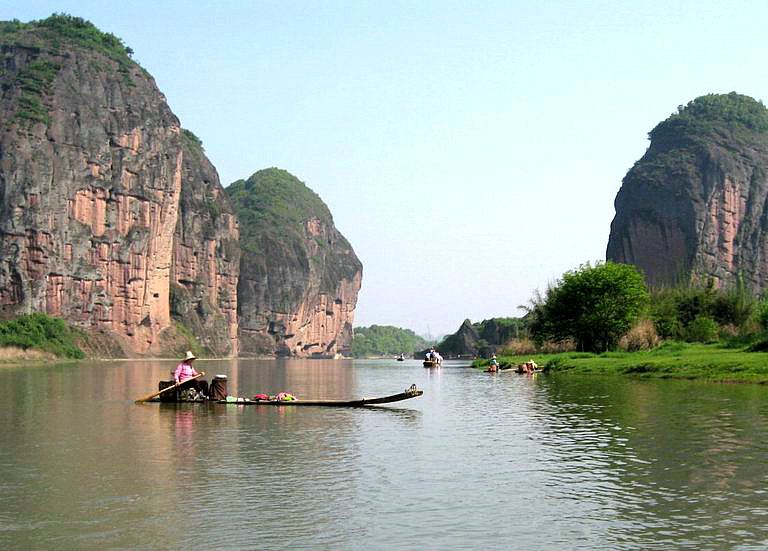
<point x="479" y="462"/>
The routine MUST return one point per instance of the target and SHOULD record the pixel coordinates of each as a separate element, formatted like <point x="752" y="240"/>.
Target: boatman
<point x="185" y="371"/>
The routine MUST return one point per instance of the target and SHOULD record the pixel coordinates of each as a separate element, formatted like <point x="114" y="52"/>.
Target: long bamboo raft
<point x="409" y="393"/>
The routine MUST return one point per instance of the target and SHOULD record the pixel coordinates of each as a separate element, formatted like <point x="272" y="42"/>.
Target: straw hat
<point x="190" y="356"/>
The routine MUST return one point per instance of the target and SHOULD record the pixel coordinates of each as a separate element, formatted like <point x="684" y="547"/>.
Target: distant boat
<point x="401" y="358"/>
<point x="432" y="363"/>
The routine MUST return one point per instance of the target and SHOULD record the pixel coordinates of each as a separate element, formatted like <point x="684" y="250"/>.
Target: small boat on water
<point x="432" y="363"/>
<point x="515" y="370"/>
<point x="411" y="392"/>
<point x="401" y="358"/>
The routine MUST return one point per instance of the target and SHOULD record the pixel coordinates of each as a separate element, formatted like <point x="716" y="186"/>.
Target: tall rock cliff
<point x="92" y="178"/>
<point x="206" y="255"/>
<point x="299" y="277"/>
<point x="694" y="208"/>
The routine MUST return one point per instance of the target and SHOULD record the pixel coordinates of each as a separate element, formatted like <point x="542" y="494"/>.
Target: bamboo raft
<point x="409" y="393"/>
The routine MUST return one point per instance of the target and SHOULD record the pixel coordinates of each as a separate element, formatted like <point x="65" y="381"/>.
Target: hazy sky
<point x="469" y="151"/>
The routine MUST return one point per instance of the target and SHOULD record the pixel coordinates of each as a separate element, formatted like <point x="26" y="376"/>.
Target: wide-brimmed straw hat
<point x="190" y="356"/>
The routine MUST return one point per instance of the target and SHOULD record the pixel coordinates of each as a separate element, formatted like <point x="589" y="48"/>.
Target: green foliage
<point x="192" y="343"/>
<point x="711" y="112"/>
<point x="40" y="332"/>
<point x="594" y="306"/>
<point x="35" y="80"/>
<point x="385" y="340"/>
<point x="273" y="200"/>
<point x="45" y="38"/>
<point x="32" y="109"/>
<point x="191" y="140"/>
<point x="61" y="28"/>
<point x="701" y="329"/>
<point x="675" y="310"/>
<point x="761" y="313"/>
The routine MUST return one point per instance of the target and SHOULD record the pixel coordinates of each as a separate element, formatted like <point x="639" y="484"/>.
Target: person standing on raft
<point x="185" y="371"/>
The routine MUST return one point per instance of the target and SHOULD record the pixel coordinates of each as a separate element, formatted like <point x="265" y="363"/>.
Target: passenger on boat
<point x="493" y="367"/>
<point x="527" y="367"/>
<point x="185" y="371"/>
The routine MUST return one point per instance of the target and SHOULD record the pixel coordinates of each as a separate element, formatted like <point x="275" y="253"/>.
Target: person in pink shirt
<point x="185" y="372"/>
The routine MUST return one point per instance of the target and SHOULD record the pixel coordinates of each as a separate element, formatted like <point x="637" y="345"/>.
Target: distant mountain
<point x="694" y="208"/>
<point x="481" y="338"/>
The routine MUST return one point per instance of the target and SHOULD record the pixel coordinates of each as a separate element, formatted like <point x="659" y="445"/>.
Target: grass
<point x="673" y="360"/>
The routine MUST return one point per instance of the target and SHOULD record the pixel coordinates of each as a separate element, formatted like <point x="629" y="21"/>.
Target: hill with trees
<point x="385" y="340"/>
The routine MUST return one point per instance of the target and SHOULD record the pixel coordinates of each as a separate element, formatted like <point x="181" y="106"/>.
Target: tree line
<point x="609" y="306"/>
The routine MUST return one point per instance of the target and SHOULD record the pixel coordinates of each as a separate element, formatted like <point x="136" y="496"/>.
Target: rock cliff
<point x="206" y="255"/>
<point x="694" y="208"/>
<point x="93" y="175"/>
<point x="299" y="277"/>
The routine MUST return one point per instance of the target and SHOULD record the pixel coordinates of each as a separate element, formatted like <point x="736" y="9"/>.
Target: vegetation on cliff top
<point x="273" y="200"/>
<point x="61" y="29"/>
<point x="714" y="113"/>
<point x="50" y="36"/>
<point x="41" y="332"/>
<point x="385" y="340"/>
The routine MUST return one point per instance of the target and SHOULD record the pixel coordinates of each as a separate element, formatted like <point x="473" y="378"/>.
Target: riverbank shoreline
<point x="705" y="362"/>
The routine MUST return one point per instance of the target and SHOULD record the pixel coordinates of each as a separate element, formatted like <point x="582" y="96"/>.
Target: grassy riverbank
<point x="712" y="362"/>
<point x="38" y="337"/>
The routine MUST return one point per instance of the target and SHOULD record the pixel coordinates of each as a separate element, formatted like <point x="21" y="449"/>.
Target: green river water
<point x="479" y="462"/>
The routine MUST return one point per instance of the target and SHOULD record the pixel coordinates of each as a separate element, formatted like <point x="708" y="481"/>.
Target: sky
<point x="469" y="151"/>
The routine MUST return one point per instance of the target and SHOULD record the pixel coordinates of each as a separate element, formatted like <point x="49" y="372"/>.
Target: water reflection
<point x="548" y="462"/>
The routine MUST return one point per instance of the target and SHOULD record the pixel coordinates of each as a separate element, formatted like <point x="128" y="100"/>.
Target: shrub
<point x="701" y="329"/>
<point x="556" y="347"/>
<point x="41" y="332"/>
<point x="761" y="314"/>
<point x="642" y="336"/>
<point x="520" y="347"/>
<point x="594" y="305"/>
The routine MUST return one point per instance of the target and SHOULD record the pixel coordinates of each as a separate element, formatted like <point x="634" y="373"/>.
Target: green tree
<point x="385" y="340"/>
<point x="594" y="305"/>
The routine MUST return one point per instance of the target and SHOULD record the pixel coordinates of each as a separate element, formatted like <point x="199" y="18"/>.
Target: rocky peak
<point x="693" y="207"/>
<point x="299" y="277"/>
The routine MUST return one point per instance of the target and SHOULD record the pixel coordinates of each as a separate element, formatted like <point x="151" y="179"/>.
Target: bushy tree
<point x="593" y="305"/>
<point x="385" y="340"/>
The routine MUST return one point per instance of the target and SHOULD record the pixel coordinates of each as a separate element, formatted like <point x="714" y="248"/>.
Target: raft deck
<point x="412" y="392"/>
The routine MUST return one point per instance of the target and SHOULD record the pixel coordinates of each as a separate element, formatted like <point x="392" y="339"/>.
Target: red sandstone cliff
<point x="92" y="177"/>
<point x="206" y="256"/>
<point x="299" y="277"/>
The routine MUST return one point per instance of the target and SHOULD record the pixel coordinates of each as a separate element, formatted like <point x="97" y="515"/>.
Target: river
<point x="480" y="461"/>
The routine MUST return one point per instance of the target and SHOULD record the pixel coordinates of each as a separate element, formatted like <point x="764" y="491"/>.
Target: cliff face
<point x="92" y="172"/>
<point x="299" y="277"/>
<point x="206" y="255"/>
<point x="695" y="206"/>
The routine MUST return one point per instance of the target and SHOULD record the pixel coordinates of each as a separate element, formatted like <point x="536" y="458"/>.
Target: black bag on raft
<point x="171" y="396"/>
<point x="218" y="388"/>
